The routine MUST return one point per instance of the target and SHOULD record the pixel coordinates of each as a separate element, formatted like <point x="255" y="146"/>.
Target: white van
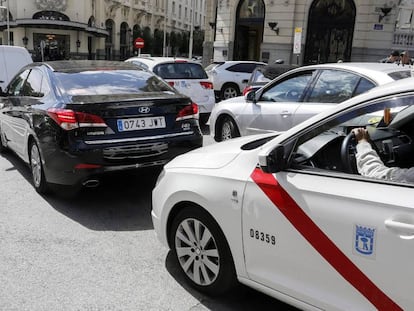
<point x="12" y="59"/>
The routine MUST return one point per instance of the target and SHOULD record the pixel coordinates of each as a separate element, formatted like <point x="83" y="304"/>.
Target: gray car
<point x="297" y="95"/>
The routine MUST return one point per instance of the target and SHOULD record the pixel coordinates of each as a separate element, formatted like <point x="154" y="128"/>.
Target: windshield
<point x="111" y="82"/>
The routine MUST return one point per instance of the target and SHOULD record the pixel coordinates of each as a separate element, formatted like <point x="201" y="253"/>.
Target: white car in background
<point x="287" y="214"/>
<point x="297" y="95"/>
<point x="187" y="76"/>
<point x="230" y="78"/>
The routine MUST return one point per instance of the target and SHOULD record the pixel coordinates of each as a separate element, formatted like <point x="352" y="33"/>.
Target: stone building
<point x="308" y="31"/>
<point x="94" y="29"/>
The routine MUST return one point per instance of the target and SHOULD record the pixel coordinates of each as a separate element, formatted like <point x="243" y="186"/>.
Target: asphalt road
<point x="97" y="251"/>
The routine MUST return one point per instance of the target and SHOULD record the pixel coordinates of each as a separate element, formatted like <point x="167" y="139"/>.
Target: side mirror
<point x="275" y="161"/>
<point x="251" y="96"/>
<point x="244" y="81"/>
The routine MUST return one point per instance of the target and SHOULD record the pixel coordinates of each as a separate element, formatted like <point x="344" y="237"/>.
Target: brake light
<point x="69" y="119"/>
<point x="188" y="112"/>
<point x="86" y="166"/>
<point x="246" y="90"/>
<point x="207" y="85"/>
<point x="171" y="83"/>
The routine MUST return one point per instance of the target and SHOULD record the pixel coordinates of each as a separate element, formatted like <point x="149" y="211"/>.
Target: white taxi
<point x="186" y="76"/>
<point x="289" y="215"/>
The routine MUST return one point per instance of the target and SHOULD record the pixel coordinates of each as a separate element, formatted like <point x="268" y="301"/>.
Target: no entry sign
<point x="139" y="43"/>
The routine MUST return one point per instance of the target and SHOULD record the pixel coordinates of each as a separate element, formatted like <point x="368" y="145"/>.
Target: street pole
<point x="7" y="19"/>
<point x="164" y="50"/>
<point x="190" y="48"/>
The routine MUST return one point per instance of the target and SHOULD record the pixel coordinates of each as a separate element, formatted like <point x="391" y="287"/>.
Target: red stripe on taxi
<point x="321" y="242"/>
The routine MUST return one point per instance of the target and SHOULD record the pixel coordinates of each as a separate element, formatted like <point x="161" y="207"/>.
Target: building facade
<point x="96" y="29"/>
<point x="308" y="31"/>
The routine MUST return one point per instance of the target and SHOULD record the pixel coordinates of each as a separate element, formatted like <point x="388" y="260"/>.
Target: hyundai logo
<point x="144" y="109"/>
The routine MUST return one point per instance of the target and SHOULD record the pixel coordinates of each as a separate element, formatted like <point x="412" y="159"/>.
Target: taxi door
<point x="334" y="243"/>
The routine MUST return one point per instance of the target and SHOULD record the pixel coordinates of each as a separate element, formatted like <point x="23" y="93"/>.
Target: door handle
<point x="402" y="228"/>
<point x="286" y="114"/>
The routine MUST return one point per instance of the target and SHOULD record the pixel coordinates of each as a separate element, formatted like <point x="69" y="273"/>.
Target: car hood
<point x="237" y="99"/>
<point x="214" y="156"/>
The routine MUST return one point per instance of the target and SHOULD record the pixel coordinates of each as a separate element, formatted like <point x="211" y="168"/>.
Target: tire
<point x="204" y="257"/>
<point x="229" y="90"/>
<point x="228" y="129"/>
<point x="36" y="168"/>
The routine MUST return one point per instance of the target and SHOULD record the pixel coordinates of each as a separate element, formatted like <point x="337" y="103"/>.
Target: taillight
<point x="207" y="85"/>
<point x="188" y="112"/>
<point x="247" y="89"/>
<point x="69" y="119"/>
<point x="171" y="83"/>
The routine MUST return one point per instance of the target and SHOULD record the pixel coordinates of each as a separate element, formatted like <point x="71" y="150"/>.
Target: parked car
<point x="264" y="74"/>
<point x="229" y="78"/>
<point x="287" y="215"/>
<point x="12" y="59"/>
<point x="73" y="121"/>
<point x="297" y="95"/>
<point x="187" y="76"/>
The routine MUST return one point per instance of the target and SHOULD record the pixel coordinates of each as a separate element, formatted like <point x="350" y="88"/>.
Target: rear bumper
<point x="91" y="161"/>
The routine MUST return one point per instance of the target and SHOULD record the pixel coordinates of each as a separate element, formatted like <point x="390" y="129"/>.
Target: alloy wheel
<point x="197" y="252"/>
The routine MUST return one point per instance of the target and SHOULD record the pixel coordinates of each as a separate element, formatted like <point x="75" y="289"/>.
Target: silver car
<point x="297" y="95"/>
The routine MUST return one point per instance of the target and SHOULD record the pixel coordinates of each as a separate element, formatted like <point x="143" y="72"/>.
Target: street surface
<point x="97" y="251"/>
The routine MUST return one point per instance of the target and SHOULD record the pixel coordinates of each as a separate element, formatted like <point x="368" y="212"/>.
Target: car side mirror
<point x="251" y="96"/>
<point x="245" y="81"/>
<point x="275" y="161"/>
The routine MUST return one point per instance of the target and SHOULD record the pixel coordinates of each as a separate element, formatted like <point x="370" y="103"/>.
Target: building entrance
<point x="249" y="30"/>
<point x="330" y="31"/>
<point x="55" y="47"/>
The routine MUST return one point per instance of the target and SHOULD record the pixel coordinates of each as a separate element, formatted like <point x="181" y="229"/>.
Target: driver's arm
<point x="369" y="163"/>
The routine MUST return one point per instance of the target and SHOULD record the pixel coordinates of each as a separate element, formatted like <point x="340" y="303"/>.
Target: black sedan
<point x="73" y="121"/>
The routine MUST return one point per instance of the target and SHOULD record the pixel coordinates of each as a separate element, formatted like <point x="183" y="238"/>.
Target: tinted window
<point x="334" y="86"/>
<point x="363" y="86"/>
<point x="112" y="82"/>
<point x="290" y="89"/>
<point x="33" y="86"/>
<point x="16" y="84"/>
<point x="244" y="67"/>
<point x="180" y="71"/>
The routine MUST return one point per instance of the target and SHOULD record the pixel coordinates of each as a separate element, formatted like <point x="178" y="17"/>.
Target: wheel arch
<point x="219" y="124"/>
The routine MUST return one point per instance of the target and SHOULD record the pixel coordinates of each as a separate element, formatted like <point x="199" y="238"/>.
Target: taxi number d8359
<point x="140" y="123"/>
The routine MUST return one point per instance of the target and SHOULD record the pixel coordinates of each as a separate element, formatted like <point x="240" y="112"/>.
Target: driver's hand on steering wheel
<point x="361" y="134"/>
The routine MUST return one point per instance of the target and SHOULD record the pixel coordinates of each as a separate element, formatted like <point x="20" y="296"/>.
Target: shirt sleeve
<point x="369" y="164"/>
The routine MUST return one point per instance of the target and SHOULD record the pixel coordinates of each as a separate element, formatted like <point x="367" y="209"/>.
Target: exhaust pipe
<point x="91" y="183"/>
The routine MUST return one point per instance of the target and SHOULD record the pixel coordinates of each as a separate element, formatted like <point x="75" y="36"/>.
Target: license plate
<point x="135" y="124"/>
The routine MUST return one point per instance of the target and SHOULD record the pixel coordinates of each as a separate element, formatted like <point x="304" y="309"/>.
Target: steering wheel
<point x="348" y="151"/>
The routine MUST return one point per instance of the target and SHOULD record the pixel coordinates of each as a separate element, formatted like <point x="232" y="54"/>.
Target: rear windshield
<point x="112" y="82"/>
<point x="180" y="71"/>
<point x="398" y="75"/>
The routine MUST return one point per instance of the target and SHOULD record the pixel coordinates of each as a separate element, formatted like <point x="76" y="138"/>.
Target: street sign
<point x="139" y="43"/>
<point x="297" y="41"/>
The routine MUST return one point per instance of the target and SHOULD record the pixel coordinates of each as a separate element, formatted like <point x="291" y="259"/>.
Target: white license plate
<point x="140" y="124"/>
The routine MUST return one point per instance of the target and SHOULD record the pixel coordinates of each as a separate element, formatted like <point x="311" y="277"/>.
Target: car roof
<point x="85" y="65"/>
<point x="152" y="61"/>
<point x="273" y="70"/>
<point x="377" y="72"/>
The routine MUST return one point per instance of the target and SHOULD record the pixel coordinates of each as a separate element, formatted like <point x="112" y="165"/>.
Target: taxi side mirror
<point x="275" y="161"/>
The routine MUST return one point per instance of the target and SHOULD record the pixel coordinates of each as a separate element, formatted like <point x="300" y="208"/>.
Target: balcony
<point x="403" y="39"/>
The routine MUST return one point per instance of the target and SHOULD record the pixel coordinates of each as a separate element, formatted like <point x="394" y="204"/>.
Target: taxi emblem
<point x="364" y="240"/>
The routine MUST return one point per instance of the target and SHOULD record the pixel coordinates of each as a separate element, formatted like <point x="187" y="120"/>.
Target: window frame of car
<point x="283" y="78"/>
<point x="281" y="156"/>
<point x="243" y="67"/>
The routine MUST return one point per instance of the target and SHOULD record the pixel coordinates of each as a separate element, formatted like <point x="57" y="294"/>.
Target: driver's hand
<point x="361" y="134"/>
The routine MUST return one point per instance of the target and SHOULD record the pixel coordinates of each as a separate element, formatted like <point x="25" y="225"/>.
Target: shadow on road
<point x="242" y="298"/>
<point x="122" y="202"/>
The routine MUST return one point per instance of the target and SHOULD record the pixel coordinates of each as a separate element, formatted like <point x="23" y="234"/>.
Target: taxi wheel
<point x="199" y="246"/>
<point x="228" y="129"/>
<point x="36" y="167"/>
<point x="229" y="90"/>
